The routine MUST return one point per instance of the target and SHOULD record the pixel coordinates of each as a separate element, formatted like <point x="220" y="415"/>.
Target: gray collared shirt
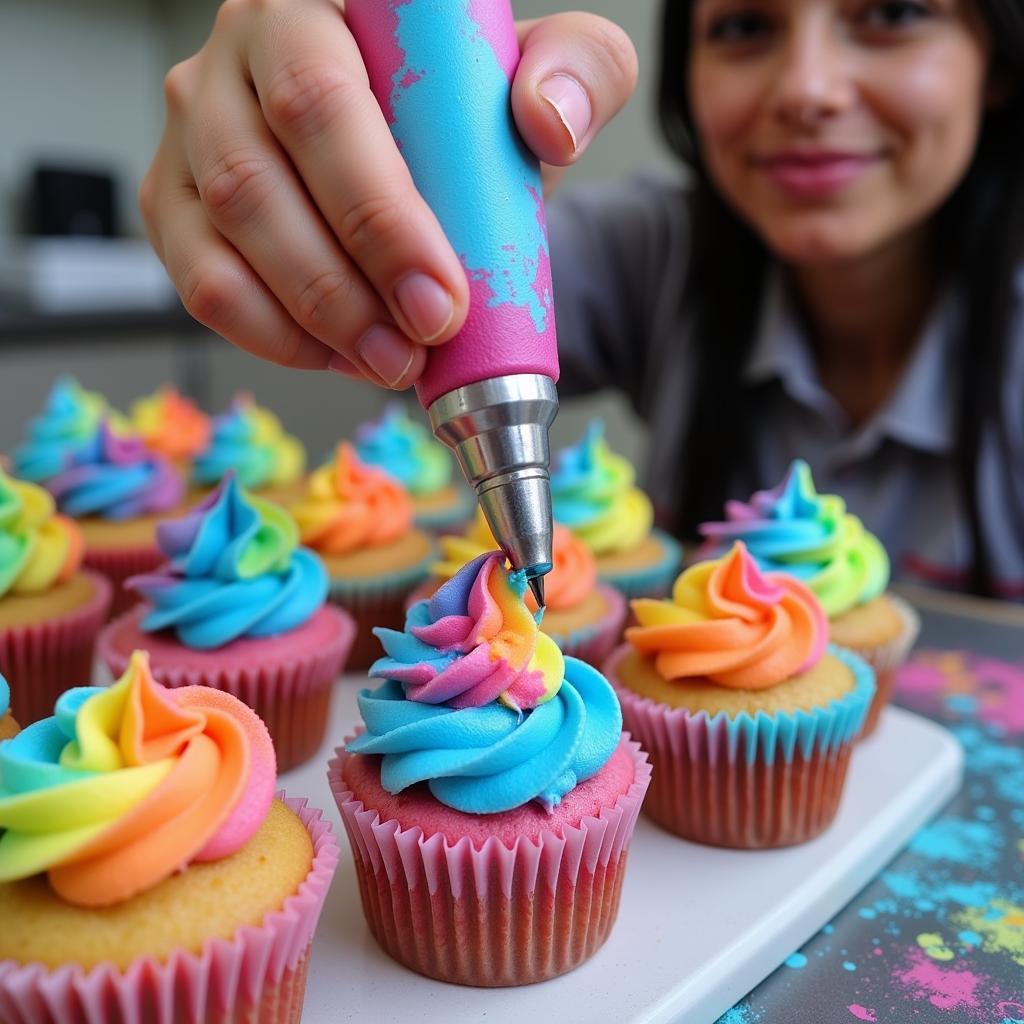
<point x="619" y="258"/>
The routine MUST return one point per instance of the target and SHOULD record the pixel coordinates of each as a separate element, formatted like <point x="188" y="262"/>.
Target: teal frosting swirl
<point x="404" y="448"/>
<point x="5" y="697"/>
<point x="484" y="760"/>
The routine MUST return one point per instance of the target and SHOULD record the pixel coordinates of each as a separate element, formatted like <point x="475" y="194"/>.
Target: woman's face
<point x="835" y="127"/>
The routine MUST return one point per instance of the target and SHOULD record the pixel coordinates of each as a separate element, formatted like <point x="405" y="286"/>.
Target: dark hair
<point x="979" y="233"/>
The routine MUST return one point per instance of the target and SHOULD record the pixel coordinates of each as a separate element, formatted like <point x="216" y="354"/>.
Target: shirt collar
<point x="920" y="412"/>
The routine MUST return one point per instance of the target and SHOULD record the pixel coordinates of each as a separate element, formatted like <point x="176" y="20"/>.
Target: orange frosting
<point x="172" y="425"/>
<point x="730" y="624"/>
<point x="349" y="506"/>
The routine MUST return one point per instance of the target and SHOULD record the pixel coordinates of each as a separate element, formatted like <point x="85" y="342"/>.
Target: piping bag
<point x="441" y="71"/>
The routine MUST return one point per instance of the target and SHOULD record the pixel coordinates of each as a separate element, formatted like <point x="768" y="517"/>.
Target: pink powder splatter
<point x="1005" y="706"/>
<point x="947" y="989"/>
<point x="862" y="1012"/>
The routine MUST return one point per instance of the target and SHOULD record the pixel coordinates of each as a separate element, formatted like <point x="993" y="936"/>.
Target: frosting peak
<point x="729" y="623"/>
<point x="171" y="425"/>
<point x="126" y="785"/>
<point x="397" y="443"/>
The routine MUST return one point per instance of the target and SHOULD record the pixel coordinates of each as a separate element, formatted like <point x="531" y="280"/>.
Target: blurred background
<point x="80" y="291"/>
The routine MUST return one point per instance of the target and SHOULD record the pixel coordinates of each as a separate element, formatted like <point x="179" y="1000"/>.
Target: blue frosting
<point x="235" y="572"/>
<point x="488" y="759"/>
<point x="5" y="696"/>
<point x="397" y="443"/>
<point x="66" y="425"/>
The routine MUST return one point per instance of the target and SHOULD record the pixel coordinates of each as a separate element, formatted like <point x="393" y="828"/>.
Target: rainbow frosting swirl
<point x="171" y="425"/>
<point x="481" y="705"/>
<point x="250" y="440"/>
<point x="405" y="448"/>
<point x="793" y="529"/>
<point x="38" y="549"/>
<point x="593" y="493"/>
<point x="729" y="623"/>
<point x="68" y="423"/>
<point x="128" y="784"/>
<point x="234" y="570"/>
<point x="349" y="506"/>
<point x="572" y="578"/>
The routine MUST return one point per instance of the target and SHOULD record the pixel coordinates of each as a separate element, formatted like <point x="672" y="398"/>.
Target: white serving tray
<point x="698" y="927"/>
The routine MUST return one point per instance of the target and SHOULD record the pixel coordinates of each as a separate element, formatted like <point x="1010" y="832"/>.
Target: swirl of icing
<point x="592" y="493"/>
<point x="474" y="641"/>
<point x="235" y="569"/>
<point x="126" y="785"/>
<point x="69" y="422"/>
<point x="116" y="477"/>
<point x="793" y="529"/>
<point x="171" y="425"/>
<point x="250" y="440"/>
<point x="572" y="577"/>
<point x="485" y="760"/>
<point x="38" y="549"/>
<point x="404" y="448"/>
<point x="349" y="506"/>
<point x="729" y="623"/>
<point x="5" y="696"/>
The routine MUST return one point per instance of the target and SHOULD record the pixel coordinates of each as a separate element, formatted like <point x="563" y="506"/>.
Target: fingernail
<point x="571" y="103"/>
<point x="425" y="304"/>
<point x="340" y="364"/>
<point x="387" y="352"/>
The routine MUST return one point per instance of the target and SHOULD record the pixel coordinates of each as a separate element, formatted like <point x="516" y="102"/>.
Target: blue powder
<point x="962" y="842"/>
<point x="962" y="703"/>
<point x="868" y="913"/>
<point x="829" y="929"/>
<point x="847" y="966"/>
<point x="971" y="938"/>
<point x="740" y="1014"/>
<point x="796" y="961"/>
<point x="985" y="813"/>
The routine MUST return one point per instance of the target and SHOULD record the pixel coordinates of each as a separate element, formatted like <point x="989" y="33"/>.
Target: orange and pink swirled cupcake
<point x="748" y="715"/>
<point x="172" y="425"/>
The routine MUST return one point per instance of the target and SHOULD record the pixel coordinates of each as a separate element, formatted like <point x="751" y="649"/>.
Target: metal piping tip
<point x="537" y="588"/>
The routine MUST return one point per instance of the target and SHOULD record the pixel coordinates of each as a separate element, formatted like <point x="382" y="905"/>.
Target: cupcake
<point x="491" y="798"/>
<point x="240" y="607"/>
<point x="8" y="725"/>
<point x="359" y="520"/>
<point x="50" y="610"/>
<point x="147" y="870"/>
<point x="250" y="441"/>
<point x="593" y="493"/>
<point x="811" y="536"/>
<point x="172" y="426"/>
<point x="748" y="717"/>
<point x="405" y="448"/>
<point x="583" y="616"/>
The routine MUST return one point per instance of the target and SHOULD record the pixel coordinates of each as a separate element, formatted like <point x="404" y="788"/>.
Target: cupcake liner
<point x="118" y="564"/>
<point x="257" y="975"/>
<point x="491" y="916"/>
<point x="42" y="659"/>
<point x="750" y="781"/>
<point x="377" y="601"/>
<point x="292" y="695"/>
<point x="885" y="659"/>
<point x="649" y="580"/>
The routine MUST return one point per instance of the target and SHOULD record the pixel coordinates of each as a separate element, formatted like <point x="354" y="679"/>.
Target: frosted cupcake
<point x="593" y="493"/>
<point x="811" y="536"/>
<point x="359" y="519"/>
<point x="240" y="607"/>
<point x="8" y="725"/>
<point x="249" y="440"/>
<point x="145" y="862"/>
<point x="583" y="616"/>
<point x="406" y="449"/>
<point x="748" y="718"/>
<point x="172" y="426"/>
<point x="491" y="799"/>
<point x="50" y="610"/>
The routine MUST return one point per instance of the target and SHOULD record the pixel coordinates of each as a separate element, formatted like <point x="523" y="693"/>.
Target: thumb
<point x="576" y="73"/>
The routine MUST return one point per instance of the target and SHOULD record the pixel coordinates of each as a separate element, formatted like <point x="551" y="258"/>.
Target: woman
<point x="837" y="279"/>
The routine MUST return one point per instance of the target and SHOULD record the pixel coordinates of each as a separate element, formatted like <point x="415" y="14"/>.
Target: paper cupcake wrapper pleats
<point x="256" y="976"/>
<point x="41" y="660"/>
<point x="292" y="696"/>
<point x="118" y="564"/>
<point x="491" y="915"/>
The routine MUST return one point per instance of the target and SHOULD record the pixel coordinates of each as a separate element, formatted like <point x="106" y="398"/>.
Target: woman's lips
<point x="811" y="176"/>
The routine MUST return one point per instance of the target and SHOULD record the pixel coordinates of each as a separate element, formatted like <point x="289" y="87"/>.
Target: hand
<point x="283" y="211"/>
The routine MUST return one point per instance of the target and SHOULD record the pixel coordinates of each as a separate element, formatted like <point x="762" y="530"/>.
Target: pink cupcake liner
<point x="492" y="915"/>
<point x="42" y="659"/>
<point x="118" y="564"/>
<point x="291" y="694"/>
<point x="707" y="790"/>
<point x="256" y="976"/>
<point x="885" y="659"/>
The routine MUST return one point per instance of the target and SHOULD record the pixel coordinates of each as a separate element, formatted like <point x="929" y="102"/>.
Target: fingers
<point x="314" y="93"/>
<point x="576" y="73"/>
